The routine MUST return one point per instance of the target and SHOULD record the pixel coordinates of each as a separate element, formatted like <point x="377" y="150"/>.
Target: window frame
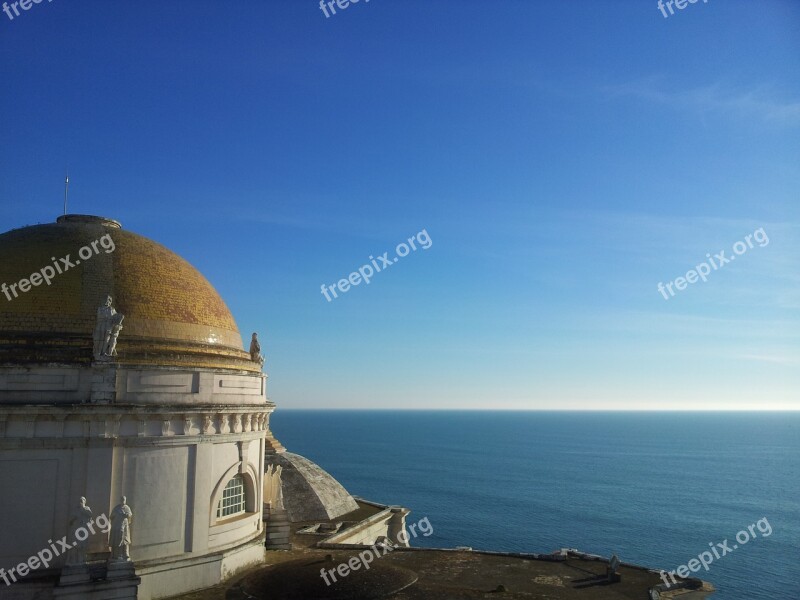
<point x="252" y="495"/>
<point x="237" y="486"/>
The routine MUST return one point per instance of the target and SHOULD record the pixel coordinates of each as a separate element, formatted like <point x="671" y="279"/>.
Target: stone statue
<point x="106" y="331"/>
<point x="119" y="538"/>
<point x="273" y="490"/>
<point x="255" y="351"/>
<point x="80" y="519"/>
<point x="612" y="570"/>
<point x="614" y="563"/>
<point x="111" y="345"/>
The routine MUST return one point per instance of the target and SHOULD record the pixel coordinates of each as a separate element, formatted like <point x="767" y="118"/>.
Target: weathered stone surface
<point x="309" y="492"/>
<point x="301" y="580"/>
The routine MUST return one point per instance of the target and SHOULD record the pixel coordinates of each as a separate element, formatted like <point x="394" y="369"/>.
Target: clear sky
<point x="564" y="157"/>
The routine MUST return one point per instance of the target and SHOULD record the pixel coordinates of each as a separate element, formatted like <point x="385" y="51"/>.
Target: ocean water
<point x="654" y="488"/>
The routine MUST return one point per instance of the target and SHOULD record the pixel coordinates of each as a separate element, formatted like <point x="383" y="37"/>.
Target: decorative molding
<point x="100" y="426"/>
<point x="238" y="384"/>
<point x="112" y="427"/>
<point x="155" y="382"/>
<point x="30" y="425"/>
<point x="108" y="382"/>
<point x="60" y="421"/>
<point x="244" y="451"/>
<point x="106" y="422"/>
<point x="49" y="380"/>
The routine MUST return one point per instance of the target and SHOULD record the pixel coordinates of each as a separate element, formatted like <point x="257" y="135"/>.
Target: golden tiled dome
<point x="173" y="315"/>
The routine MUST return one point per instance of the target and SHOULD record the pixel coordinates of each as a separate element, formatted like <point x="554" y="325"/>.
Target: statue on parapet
<point x="106" y="331"/>
<point x="255" y="351"/>
<point x="119" y="538"/>
<point x="81" y="518"/>
<point x="612" y="570"/>
<point x="273" y="487"/>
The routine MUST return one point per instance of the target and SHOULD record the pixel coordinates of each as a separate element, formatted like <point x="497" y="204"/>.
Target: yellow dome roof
<point x="173" y="315"/>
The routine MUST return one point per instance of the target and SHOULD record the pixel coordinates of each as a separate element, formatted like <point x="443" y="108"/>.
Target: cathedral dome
<point x="55" y="276"/>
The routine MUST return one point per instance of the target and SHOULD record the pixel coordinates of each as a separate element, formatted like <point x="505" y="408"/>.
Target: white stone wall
<point x="389" y="523"/>
<point x="171" y="466"/>
<point x="109" y="383"/>
<point x="168" y="439"/>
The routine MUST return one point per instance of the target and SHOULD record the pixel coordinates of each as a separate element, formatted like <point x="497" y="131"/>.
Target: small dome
<point x="173" y="315"/>
<point x="309" y="492"/>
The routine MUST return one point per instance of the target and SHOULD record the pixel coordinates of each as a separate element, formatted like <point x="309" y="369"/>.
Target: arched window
<point x="234" y="498"/>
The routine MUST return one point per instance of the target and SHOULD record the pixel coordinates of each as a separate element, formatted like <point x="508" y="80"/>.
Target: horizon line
<point x="572" y="410"/>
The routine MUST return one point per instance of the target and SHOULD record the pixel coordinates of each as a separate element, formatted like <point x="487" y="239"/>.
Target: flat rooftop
<point x="441" y="574"/>
<point x="467" y="575"/>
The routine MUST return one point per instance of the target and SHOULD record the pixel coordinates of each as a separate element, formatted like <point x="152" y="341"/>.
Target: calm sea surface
<point x="653" y="488"/>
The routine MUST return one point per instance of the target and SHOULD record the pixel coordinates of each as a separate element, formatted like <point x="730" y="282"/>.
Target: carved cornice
<point x="119" y="422"/>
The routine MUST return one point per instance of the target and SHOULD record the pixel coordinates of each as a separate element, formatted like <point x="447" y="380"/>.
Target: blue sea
<point x="654" y="488"/>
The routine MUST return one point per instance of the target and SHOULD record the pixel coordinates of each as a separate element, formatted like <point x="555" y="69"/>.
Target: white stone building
<point x="168" y="410"/>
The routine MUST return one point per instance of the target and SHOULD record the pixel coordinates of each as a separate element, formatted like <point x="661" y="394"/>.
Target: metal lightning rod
<point x="66" y="192"/>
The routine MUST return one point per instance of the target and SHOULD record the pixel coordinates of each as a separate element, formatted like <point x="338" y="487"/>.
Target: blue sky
<point x="564" y="157"/>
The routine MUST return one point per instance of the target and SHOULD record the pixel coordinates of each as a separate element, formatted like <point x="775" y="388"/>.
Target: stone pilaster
<point x="104" y="383"/>
<point x="277" y="528"/>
